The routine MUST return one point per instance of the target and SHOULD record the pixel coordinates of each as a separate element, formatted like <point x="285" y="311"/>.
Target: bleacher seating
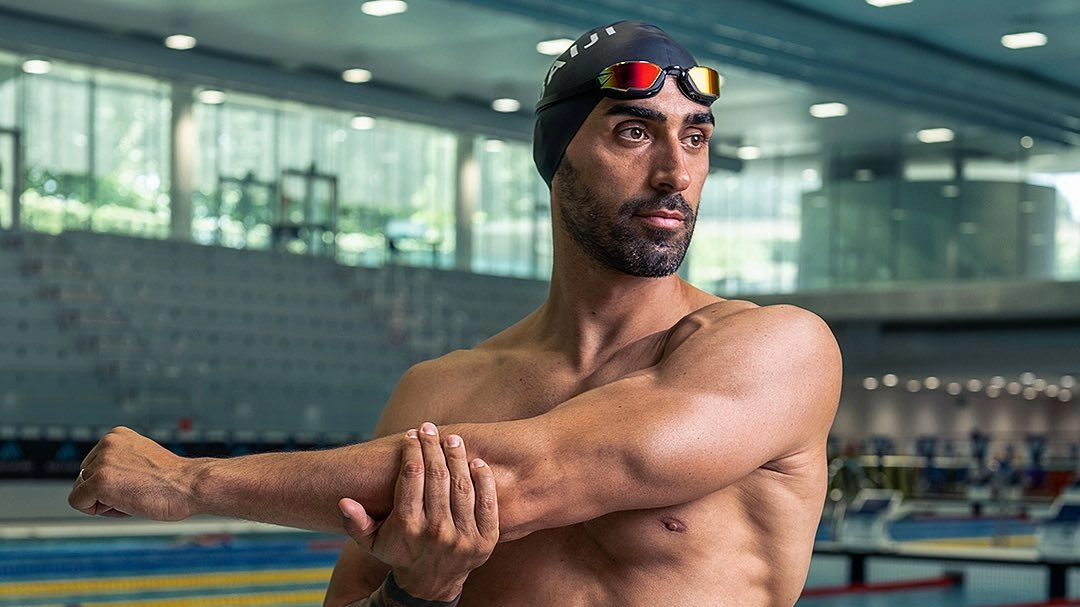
<point x="100" y="329"/>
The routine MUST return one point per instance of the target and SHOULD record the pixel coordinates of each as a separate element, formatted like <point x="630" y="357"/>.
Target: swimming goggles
<point x="641" y="79"/>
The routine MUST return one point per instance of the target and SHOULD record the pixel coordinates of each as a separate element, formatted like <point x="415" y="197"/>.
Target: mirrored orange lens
<point x="631" y="75"/>
<point x="705" y="79"/>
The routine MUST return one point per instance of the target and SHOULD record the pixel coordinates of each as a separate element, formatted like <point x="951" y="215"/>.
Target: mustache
<point x="669" y="202"/>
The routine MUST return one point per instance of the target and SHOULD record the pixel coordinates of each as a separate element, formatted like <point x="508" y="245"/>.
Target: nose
<point x="670" y="167"/>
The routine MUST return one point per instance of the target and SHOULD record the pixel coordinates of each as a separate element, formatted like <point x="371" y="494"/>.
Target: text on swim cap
<point x="593" y="39"/>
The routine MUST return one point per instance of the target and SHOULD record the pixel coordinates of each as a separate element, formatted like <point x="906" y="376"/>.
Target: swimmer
<point x="653" y="444"/>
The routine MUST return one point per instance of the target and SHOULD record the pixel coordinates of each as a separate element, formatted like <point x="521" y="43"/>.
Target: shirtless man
<point x="653" y="444"/>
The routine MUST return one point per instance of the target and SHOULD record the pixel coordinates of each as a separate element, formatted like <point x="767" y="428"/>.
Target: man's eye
<point x="696" y="140"/>
<point x="634" y="132"/>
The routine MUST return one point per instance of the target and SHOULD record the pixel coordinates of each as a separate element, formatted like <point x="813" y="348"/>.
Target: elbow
<point x="526" y="501"/>
<point x="520" y="512"/>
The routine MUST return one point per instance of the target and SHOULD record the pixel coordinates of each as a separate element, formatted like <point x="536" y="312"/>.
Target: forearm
<point x="298" y="489"/>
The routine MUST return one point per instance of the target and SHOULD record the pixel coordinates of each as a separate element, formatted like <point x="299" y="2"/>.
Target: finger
<point x="487" y="503"/>
<point x="84" y="495"/>
<point x="409" y="494"/>
<point x="358" y="524"/>
<point x="436" y="477"/>
<point x="461" y="486"/>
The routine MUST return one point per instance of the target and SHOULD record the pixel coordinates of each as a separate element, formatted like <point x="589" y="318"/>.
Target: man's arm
<point x="731" y="393"/>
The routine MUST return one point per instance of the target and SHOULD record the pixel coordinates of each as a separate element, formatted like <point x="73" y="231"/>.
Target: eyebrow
<point x="624" y="109"/>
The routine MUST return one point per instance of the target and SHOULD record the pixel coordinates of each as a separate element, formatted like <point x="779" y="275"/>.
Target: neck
<point x="592" y="311"/>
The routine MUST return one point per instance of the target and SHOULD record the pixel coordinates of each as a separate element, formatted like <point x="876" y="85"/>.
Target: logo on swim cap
<point x="573" y="50"/>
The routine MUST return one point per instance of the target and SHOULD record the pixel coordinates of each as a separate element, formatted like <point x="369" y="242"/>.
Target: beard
<point x="621" y="242"/>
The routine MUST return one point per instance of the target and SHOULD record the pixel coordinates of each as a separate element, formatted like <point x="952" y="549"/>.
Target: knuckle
<point x="487" y="502"/>
<point x="462" y="485"/>
<point x="412" y="470"/>
<point x="437" y="471"/>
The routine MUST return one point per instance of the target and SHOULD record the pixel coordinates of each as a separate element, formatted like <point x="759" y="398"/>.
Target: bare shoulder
<point x="746" y="320"/>
<point x="426" y="389"/>
<point x="742" y="344"/>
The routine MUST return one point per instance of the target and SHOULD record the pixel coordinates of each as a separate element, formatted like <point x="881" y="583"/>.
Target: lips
<point x="664" y="214"/>
<point x="670" y="220"/>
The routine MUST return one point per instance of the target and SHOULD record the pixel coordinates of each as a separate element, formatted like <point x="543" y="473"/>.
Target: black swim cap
<point x="595" y="50"/>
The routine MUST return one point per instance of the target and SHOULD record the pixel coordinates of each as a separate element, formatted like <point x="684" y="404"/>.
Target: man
<point x="653" y="444"/>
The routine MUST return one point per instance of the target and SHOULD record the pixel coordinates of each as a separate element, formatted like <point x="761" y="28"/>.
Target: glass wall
<point x="266" y="170"/>
<point x="512" y="224"/>
<point x="370" y="191"/>
<point x="96" y="150"/>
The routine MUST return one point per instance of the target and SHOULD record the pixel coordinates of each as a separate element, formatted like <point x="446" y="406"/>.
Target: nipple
<point x="673" y="524"/>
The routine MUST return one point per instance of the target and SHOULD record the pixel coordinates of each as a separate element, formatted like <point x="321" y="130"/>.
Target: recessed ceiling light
<point x="36" y="66"/>
<point x="506" y="105"/>
<point x="180" y="42"/>
<point x="938" y="135"/>
<point x="884" y="3"/>
<point x="828" y="110"/>
<point x="362" y="123"/>
<point x="383" y="8"/>
<point x="1023" y="40"/>
<point x="211" y="96"/>
<point x="748" y="152"/>
<point x="356" y="75"/>
<point x="553" y="47"/>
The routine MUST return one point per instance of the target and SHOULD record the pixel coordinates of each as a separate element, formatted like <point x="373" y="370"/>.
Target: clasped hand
<point x="445" y="520"/>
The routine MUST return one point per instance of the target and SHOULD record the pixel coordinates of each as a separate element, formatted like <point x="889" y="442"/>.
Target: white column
<point x="182" y="161"/>
<point x="468" y="194"/>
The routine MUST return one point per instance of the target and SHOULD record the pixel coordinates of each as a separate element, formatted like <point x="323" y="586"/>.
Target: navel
<point x="673" y="524"/>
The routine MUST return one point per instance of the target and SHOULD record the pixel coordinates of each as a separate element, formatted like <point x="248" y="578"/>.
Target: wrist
<point x="200" y="476"/>
<point x="423" y="588"/>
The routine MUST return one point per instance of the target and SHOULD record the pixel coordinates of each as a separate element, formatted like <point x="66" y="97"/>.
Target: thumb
<point x="358" y="524"/>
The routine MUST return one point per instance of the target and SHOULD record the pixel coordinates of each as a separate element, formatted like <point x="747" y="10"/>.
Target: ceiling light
<point x="553" y="47"/>
<point x="1027" y="142"/>
<point x="748" y="152"/>
<point x="211" y="96"/>
<point x="506" y="105"/>
<point x="828" y="110"/>
<point x="1023" y="40"/>
<point x="36" y="66"/>
<point x="939" y="135"/>
<point x="180" y="42"/>
<point x="362" y="123"/>
<point x="494" y="145"/>
<point x="383" y="8"/>
<point x="884" y="3"/>
<point x="356" y="75"/>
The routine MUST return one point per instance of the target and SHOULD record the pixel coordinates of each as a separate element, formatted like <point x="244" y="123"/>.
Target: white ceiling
<point x="928" y="63"/>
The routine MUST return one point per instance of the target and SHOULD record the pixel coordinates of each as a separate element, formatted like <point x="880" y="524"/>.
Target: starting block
<point x="1058" y="535"/>
<point x="866" y="519"/>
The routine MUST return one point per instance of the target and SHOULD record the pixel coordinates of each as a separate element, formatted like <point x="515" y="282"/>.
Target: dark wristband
<point x="394" y="593"/>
